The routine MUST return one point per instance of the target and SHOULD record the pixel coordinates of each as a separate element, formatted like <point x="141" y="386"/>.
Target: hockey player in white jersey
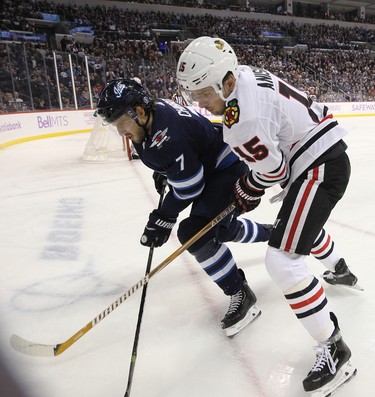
<point x="286" y="138"/>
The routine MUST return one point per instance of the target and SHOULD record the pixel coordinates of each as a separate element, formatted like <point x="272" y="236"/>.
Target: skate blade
<point x="251" y="315"/>
<point x="355" y="286"/>
<point x="346" y="373"/>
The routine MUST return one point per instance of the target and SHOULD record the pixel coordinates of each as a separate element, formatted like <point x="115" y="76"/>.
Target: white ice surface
<point x="182" y="351"/>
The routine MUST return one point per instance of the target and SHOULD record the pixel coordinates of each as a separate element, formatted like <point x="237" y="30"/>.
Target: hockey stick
<point x="140" y="313"/>
<point x="36" y="349"/>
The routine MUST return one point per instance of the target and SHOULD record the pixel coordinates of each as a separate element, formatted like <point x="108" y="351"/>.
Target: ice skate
<point x="332" y="367"/>
<point x="242" y="310"/>
<point x="341" y="276"/>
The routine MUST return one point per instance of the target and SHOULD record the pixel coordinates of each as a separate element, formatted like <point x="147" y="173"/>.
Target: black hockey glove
<point x="157" y="230"/>
<point x="160" y="180"/>
<point x="245" y="198"/>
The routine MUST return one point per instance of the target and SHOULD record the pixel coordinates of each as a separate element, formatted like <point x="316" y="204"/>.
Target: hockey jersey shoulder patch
<point x="232" y="113"/>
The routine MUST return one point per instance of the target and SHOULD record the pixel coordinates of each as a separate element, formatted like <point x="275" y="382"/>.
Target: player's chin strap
<point x="144" y="126"/>
<point x="131" y="112"/>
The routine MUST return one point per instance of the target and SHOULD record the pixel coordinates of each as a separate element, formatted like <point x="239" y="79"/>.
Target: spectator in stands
<point x="64" y="42"/>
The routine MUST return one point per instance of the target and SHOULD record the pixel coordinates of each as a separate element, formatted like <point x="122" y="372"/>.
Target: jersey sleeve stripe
<point x="187" y="196"/>
<point x="188" y="182"/>
<point x="264" y="181"/>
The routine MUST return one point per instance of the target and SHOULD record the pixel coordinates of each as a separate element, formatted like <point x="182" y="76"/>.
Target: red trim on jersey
<point x="300" y="209"/>
<point x="268" y="176"/>
<point x="293" y="144"/>
<point x="308" y="301"/>
<point x="324" y="246"/>
<point x="330" y="116"/>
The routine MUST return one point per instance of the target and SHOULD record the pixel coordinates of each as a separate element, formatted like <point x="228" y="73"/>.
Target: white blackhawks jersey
<point x="278" y="130"/>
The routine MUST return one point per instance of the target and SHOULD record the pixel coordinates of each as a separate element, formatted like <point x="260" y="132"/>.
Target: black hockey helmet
<point x="122" y="96"/>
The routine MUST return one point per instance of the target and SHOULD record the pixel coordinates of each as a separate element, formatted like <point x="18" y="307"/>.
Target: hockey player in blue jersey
<point x="201" y="171"/>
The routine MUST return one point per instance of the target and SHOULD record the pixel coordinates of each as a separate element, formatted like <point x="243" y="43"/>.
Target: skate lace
<point x="235" y="302"/>
<point x="323" y="357"/>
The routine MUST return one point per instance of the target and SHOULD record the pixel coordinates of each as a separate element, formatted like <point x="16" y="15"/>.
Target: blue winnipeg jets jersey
<point x="187" y="148"/>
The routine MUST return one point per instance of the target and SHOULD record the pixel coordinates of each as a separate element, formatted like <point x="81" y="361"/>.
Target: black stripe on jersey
<point x="316" y="309"/>
<point x="298" y="294"/>
<point x="261" y="181"/>
<point x="276" y="170"/>
<point x="255" y="183"/>
<point x="282" y="164"/>
<point x="311" y="141"/>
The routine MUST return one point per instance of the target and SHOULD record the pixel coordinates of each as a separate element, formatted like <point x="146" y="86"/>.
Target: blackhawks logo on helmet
<point x="231" y="113"/>
<point x="219" y="44"/>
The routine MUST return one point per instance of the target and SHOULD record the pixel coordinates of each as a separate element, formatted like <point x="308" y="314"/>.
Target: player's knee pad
<point x="206" y="251"/>
<point x="286" y="270"/>
<point x="228" y="231"/>
<point x="189" y="227"/>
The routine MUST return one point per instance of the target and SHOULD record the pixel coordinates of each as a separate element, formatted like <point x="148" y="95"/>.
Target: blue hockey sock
<point x="252" y="232"/>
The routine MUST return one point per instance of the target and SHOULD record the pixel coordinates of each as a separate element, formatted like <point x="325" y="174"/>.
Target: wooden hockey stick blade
<point x="36" y="349"/>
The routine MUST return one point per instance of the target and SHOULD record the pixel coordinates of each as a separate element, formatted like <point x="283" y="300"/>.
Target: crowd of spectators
<point x="301" y="9"/>
<point x="332" y="63"/>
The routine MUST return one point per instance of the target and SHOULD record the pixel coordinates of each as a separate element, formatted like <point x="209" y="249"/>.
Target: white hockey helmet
<point x="204" y="63"/>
